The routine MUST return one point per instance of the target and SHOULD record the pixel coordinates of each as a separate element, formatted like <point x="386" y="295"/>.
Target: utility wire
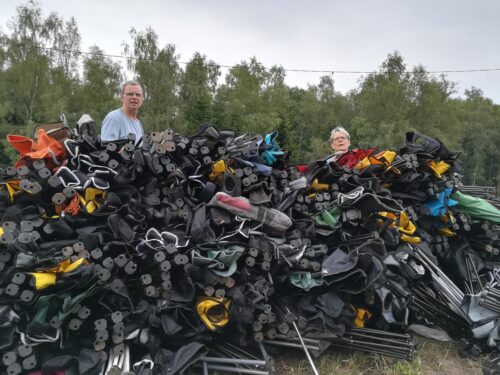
<point x="331" y="71"/>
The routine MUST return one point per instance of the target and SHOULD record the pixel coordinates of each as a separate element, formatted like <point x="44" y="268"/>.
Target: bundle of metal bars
<point x="378" y="342"/>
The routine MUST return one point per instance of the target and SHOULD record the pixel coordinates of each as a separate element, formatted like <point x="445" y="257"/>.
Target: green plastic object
<point x="478" y="208"/>
<point x="329" y="218"/>
<point x="305" y="280"/>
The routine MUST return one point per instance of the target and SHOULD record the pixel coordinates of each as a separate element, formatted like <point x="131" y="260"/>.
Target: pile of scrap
<point x="212" y="252"/>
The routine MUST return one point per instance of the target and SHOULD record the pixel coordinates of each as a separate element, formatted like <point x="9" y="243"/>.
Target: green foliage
<point x="198" y="85"/>
<point x="40" y="71"/>
<point x="319" y="148"/>
<point x="7" y="153"/>
<point x="158" y="72"/>
<point x="480" y="137"/>
<point x="98" y="92"/>
<point x="253" y="100"/>
<point x="38" y="66"/>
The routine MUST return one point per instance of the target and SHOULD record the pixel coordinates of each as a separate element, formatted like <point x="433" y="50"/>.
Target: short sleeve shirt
<point x="117" y="125"/>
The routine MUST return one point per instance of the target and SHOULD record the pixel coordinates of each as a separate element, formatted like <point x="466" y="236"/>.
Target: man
<point x="119" y="123"/>
<point x="339" y="142"/>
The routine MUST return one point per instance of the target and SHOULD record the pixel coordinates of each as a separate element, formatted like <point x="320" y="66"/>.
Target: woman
<point x="340" y="141"/>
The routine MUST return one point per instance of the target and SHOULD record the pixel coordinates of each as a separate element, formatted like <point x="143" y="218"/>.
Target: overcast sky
<point x="316" y="35"/>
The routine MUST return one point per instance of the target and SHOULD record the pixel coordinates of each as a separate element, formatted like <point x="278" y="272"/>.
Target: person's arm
<point x="110" y="130"/>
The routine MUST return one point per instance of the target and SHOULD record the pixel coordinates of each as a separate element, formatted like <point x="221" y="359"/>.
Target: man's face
<point x="132" y="97"/>
<point x="340" y="142"/>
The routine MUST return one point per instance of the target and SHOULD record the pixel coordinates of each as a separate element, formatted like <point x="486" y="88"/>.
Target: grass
<point x="433" y="358"/>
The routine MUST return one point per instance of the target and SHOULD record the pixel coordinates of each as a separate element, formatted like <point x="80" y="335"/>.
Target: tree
<point x="198" y="84"/>
<point x="304" y="120"/>
<point x="39" y="61"/>
<point x="253" y="99"/>
<point x="480" y="138"/>
<point x="99" y="90"/>
<point x="384" y="97"/>
<point x="158" y="72"/>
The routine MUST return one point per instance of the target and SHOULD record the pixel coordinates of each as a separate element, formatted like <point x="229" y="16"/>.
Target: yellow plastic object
<point x="447" y="232"/>
<point x="48" y="217"/>
<point x="410" y="239"/>
<point x="366" y="162"/>
<point x="93" y="193"/>
<point x="44" y="279"/>
<point x="213" y="311"/>
<point x="438" y="168"/>
<point x="67" y="266"/>
<point x="89" y="206"/>
<point x="401" y="221"/>
<point x="404" y="224"/>
<point x="363" y="164"/>
<point x="386" y="156"/>
<point x="48" y="277"/>
<point x="1" y="231"/>
<point x="93" y="199"/>
<point x="394" y="170"/>
<point x="12" y="187"/>
<point x="316" y="185"/>
<point x="362" y="316"/>
<point x="388" y="215"/>
<point x="451" y="217"/>
<point x="218" y="168"/>
<point x="77" y="263"/>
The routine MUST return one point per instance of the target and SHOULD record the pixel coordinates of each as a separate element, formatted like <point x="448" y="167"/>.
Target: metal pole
<point x="309" y="358"/>
<point x="236" y="361"/>
<point x="237" y="370"/>
<point x="289" y="344"/>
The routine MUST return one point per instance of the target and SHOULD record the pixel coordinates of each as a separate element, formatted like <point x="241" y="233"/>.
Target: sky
<point x="330" y="35"/>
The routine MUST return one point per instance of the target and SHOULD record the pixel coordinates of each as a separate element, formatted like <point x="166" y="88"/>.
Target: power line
<point x="331" y="71"/>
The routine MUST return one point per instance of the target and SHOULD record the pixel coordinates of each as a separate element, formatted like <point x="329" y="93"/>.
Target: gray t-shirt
<point x="117" y="125"/>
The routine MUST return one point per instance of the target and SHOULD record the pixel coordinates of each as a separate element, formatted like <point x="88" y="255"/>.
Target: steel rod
<point x="250" y="362"/>
<point x="350" y="341"/>
<point x="383" y="352"/>
<point x="378" y="332"/>
<point x="308" y="355"/>
<point x="237" y="370"/>
<point x="404" y="343"/>
<point x="288" y="344"/>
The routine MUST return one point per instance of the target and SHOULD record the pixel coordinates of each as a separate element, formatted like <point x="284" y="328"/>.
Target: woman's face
<point x="340" y="142"/>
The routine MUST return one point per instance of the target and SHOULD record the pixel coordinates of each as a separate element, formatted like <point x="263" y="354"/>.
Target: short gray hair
<point x="339" y="129"/>
<point x="130" y="83"/>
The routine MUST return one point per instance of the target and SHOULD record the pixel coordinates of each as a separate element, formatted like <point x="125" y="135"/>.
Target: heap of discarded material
<point x="197" y="253"/>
